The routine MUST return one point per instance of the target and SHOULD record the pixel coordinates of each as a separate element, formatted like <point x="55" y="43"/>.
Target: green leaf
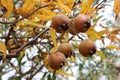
<point x="49" y="77"/>
<point x="54" y="76"/>
<point x="44" y="75"/>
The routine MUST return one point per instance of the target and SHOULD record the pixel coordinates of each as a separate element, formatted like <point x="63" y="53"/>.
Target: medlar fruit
<point x="60" y="23"/>
<point x="87" y="48"/>
<point x="66" y="49"/>
<point x="56" y="60"/>
<point x="81" y="24"/>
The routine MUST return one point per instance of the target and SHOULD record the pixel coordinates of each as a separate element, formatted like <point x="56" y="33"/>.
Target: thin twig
<point x="8" y="56"/>
<point x="76" y="33"/>
<point x="8" y="38"/>
<point x="101" y="3"/>
<point x="33" y="40"/>
<point x="16" y="55"/>
<point x="36" y="72"/>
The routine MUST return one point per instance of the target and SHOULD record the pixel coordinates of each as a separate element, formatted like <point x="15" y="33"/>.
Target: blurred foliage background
<point x="26" y="38"/>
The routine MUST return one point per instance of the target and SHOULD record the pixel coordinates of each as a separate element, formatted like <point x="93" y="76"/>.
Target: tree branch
<point x="26" y="16"/>
<point x="24" y="45"/>
<point x="16" y="54"/>
<point x="30" y="78"/>
<point x="8" y="56"/>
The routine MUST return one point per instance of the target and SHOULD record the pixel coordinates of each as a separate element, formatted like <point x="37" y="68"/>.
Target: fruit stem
<point x="76" y="33"/>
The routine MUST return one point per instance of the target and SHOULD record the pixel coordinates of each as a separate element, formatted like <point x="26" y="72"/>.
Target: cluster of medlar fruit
<point x="57" y="59"/>
<point x="61" y="23"/>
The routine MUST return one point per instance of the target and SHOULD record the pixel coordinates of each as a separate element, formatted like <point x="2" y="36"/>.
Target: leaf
<point x="54" y="76"/>
<point x="22" y="53"/>
<point x="117" y="7"/>
<point x="45" y="60"/>
<point x="112" y="37"/>
<point x="92" y="34"/>
<point x="44" y="14"/>
<point x="53" y="49"/>
<point x="49" y="77"/>
<point x="8" y="4"/>
<point x="86" y="6"/>
<point x="44" y="75"/>
<point x="106" y="31"/>
<point x="27" y="7"/>
<point x="66" y="37"/>
<point x="32" y="23"/>
<point x="101" y="54"/>
<point x="53" y="35"/>
<point x="69" y="3"/>
<point x="73" y="58"/>
<point x="3" y="49"/>
<point x="111" y="46"/>
<point x="61" y="5"/>
<point x="44" y="17"/>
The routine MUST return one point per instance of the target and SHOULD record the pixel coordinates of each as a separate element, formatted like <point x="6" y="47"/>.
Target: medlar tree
<point x="47" y="39"/>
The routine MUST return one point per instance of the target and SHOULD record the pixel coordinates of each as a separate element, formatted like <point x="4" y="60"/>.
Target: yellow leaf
<point x="66" y="37"/>
<point x="101" y="54"/>
<point x="8" y="4"/>
<point x="28" y="6"/>
<point x="45" y="61"/>
<point x="46" y="11"/>
<point x="64" y="7"/>
<point x="44" y="14"/>
<point x="73" y="58"/>
<point x="106" y="31"/>
<point x="53" y="35"/>
<point x="117" y="7"/>
<point x="32" y="23"/>
<point x="86" y="6"/>
<point x="111" y="46"/>
<point x="54" y="49"/>
<point x="21" y="54"/>
<point x="69" y="3"/>
<point x="92" y="34"/>
<point x="44" y="17"/>
<point x="3" y="49"/>
<point x="76" y="44"/>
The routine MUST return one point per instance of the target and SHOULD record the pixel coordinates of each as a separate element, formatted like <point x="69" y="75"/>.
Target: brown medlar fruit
<point x="87" y="48"/>
<point x="66" y="49"/>
<point x="81" y="23"/>
<point x="56" y="60"/>
<point x="61" y="23"/>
